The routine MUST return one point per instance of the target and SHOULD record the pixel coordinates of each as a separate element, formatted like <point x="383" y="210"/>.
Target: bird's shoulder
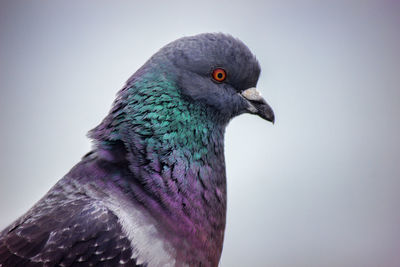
<point x="62" y="232"/>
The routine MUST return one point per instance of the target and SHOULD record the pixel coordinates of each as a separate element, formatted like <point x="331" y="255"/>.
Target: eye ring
<point x="219" y="75"/>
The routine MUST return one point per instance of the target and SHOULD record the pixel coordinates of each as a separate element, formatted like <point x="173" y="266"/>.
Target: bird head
<point x="217" y="71"/>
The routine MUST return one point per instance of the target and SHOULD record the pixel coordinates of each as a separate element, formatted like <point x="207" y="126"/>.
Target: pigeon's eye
<point x="219" y="75"/>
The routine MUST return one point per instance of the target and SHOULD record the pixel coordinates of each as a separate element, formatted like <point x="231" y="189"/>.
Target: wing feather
<point x="80" y="232"/>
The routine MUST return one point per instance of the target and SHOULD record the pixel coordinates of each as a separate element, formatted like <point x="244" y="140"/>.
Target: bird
<point x="152" y="190"/>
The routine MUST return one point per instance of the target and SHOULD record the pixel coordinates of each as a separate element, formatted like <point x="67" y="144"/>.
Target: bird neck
<point x="153" y="119"/>
<point x="175" y="152"/>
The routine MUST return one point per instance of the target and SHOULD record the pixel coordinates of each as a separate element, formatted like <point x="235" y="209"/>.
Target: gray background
<point x="318" y="188"/>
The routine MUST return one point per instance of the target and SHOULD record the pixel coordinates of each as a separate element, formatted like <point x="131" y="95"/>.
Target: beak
<point x="257" y="104"/>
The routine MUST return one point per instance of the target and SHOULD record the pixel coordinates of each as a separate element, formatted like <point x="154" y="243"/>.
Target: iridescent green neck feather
<point x="151" y="113"/>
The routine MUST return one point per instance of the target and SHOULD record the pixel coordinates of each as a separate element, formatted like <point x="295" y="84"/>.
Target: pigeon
<point x="152" y="190"/>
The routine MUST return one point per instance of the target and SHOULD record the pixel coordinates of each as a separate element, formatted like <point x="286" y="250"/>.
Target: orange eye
<point x="219" y="75"/>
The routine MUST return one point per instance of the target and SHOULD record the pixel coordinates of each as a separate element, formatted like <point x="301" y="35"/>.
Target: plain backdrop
<point x="320" y="188"/>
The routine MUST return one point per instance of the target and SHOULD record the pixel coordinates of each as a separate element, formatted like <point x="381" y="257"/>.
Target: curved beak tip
<point x="266" y="112"/>
<point x="258" y="105"/>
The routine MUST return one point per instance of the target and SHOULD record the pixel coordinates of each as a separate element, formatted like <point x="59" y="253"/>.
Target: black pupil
<point x="219" y="75"/>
